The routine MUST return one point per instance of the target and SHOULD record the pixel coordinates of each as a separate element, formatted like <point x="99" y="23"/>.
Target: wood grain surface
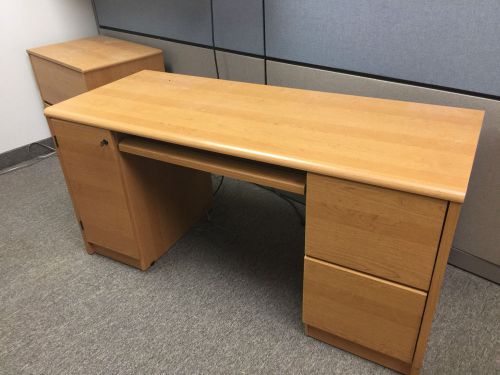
<point x="386" y="233"/>
<point x="242" y="169"/>
<point x="97" y="52"/>
<point x="419" y="148"/>
<point x="368" y="311"/>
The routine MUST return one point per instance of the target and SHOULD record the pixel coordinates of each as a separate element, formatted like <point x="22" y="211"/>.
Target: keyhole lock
<point x="104" y="142"/>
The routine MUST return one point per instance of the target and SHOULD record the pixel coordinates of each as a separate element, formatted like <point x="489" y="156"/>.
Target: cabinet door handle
<point x="104" y="143"/>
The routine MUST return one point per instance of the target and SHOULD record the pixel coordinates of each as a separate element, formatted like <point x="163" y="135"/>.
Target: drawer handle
<point x="104" y="143"/>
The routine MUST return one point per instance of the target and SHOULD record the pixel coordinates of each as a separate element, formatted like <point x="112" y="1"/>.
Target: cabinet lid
<point x="97" y="52"/>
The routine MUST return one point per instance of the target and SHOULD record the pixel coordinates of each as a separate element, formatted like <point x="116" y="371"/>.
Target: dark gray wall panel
<point x="475" y="265"/>
<point x="453" y="43"/>
<point x="240" y="68"/>
<point x="187" y="20"/>
<point x="238" y="25"/>
<point x="179" y="58"/>
<point x="477" y="232"/>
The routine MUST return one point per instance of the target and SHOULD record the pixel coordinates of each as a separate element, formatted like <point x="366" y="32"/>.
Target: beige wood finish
<point x="68" y="69"/>
<point x="100" y="77"/>
<point x="242" y="169"/>
<point x="357" y="349"/>
<point x="131" y="209"/>
<point x="387" y="233"/>
<point x="418" y="148"/>
<point x="380" y="177"/>
<point x="92" y="170"/>
<point x="377" y="314"/>
<point x="93" y="53"/>
<point x="56" y="82"/>
<point x="164" y="200"/>
<point x="116" y="256"/>
<point x="436" y="282"/>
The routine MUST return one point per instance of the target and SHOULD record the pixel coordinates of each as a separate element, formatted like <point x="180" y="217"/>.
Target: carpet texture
<point x="226" y="299"/>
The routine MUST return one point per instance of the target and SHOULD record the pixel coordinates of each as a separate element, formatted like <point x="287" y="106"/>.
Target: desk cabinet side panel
<point x="448" y="233"/>
<point x="92" y="172"/>
<point x="56" y="82"/>
<point x="88" y="246"/>
<point x="96" y="78"/>
<point x="165" y="201"/>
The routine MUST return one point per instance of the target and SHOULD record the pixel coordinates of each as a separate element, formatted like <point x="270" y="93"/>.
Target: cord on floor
<point x="27" y="163"/>
<point x="289" y="200"/>
<point x="218" y="187"/>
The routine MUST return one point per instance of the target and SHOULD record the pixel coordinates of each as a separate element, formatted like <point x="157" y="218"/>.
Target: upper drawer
<point x="383" y="232"/>
<point x="377" y="314"/>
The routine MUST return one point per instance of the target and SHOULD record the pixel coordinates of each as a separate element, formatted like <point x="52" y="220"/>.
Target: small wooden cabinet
<point x="68" y="69"/>
<point x="129" y="208"/>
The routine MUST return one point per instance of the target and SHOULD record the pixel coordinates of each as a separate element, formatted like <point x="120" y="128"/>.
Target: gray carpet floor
<point x="226" y="299"/>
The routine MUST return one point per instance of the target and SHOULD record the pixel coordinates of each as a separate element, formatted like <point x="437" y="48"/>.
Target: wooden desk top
<point x="418" y="148"/>
<point x="87" y="54"/>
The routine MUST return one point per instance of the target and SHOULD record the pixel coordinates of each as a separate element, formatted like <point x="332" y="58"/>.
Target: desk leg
<point x="165" y="200"/>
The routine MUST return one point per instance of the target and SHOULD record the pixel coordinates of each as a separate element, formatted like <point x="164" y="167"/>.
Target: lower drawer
<point x="377" y="314"/>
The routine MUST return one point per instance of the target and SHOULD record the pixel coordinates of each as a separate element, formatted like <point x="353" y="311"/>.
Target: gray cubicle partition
<point x="184" y="20"/>
<point x="452" y="43"/>
<point x="432" y="51"/>
<point x="238" y="25"/>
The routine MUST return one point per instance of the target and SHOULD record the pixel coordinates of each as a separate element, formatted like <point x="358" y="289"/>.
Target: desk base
<point x="357" y="349"/>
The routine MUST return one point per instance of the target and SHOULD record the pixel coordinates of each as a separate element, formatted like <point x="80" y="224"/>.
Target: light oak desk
<point x="384" y="181"/>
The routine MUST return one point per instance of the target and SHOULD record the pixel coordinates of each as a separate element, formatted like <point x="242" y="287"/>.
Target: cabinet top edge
<point x="93" y="53"/>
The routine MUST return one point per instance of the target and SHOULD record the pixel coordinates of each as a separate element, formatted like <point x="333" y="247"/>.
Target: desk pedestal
<point x="129" y="208"/>
<point x="374" y="264"/>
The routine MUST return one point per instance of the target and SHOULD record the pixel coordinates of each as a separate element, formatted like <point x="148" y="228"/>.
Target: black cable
<point x="26" y="163"/>
<point x="41" y="145"/>
<point x="289" y="200"/>
<point x="280" y="194"/>
<point x="264" y="39"/>
<point x="213" y="39"/>
<point x="219" y="186"/>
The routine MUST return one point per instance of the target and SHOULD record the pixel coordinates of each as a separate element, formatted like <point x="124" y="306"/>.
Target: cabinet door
<point x="89" y="157"/>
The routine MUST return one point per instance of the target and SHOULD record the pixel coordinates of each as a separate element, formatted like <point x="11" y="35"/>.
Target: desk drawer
<point x="377" y="314"/>
<point x="382" y="232"/>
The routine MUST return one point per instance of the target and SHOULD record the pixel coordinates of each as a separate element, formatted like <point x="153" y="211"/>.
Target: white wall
<point x="25" y="24"/>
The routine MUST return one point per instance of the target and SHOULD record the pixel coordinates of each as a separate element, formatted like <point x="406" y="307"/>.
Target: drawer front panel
<point x="93" y="176"/>
<point x="383" y="232"/>
<point x="56" y="82"/>
<point x="377" y="314"/>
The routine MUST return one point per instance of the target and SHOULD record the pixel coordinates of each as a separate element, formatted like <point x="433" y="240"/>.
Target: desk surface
<point x="419" y="148"/>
